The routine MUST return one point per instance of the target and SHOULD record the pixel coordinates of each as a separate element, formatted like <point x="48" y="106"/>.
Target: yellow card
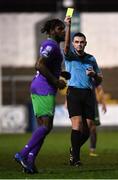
<point x="69" y="12"/>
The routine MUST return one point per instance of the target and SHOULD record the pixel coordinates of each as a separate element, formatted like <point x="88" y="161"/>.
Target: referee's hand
<point x="67" y="20"/>
<point x="90" y="72"/>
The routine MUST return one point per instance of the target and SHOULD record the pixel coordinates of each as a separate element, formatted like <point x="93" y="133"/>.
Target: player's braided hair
<point x="51" y="24"/>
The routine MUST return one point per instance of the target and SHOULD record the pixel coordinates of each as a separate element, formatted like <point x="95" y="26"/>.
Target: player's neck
<point x="54" y="39"/>
<point x="80" y="53"/>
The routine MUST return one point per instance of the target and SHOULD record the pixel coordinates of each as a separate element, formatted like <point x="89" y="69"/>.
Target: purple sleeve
<point x="47" y="50"/>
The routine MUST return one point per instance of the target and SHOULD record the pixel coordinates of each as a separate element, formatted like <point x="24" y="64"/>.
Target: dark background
<point x="54" y="5"/>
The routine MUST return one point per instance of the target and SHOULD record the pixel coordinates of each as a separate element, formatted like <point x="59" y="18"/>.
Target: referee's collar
<point x="81" y="57"/>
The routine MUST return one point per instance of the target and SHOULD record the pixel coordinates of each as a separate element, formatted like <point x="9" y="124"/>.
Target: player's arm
<point x="98" y="78"/>
<point x="67" y="21"/>
<point x="95" y="73"/>
<point x="41" y="67"/>
<point x="101" y="97"/>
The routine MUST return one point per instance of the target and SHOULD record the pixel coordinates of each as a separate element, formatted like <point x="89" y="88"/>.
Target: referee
<point x="80" y="97"/>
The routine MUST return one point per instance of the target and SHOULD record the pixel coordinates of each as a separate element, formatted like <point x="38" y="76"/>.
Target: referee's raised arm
<point x="67" y="21"/>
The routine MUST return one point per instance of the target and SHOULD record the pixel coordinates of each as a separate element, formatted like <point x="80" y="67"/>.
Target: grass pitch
<point x="52" y="160"/>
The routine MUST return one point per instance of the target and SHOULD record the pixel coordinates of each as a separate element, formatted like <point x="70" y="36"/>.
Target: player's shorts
<point x="43" y="105"/>
<point x="81" y="102"/>
<point x="97" y="117"/>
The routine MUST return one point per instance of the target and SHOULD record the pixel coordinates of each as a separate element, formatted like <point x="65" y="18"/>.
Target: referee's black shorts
<point x="81" y="102"/>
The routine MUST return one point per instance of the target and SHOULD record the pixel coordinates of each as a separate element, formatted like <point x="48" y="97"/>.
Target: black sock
<point x="76" y="144"/>
<point x="85" y="135"/>
<point x="85" y="131"/>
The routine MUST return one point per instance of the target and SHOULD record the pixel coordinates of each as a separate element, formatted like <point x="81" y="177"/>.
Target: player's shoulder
<point x="48" y="47"/>
<point x="90" y="57"/>
<point x="49" y="43"/>
<point x="70" y="55"/>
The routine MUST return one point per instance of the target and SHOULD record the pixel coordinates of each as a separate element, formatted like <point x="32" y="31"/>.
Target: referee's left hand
<point x="90" y="72"/>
